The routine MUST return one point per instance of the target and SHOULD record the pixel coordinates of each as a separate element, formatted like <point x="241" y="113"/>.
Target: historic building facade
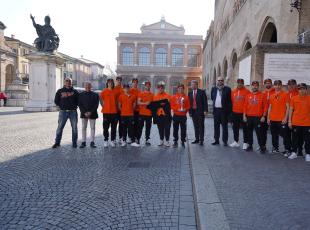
<point x="161" y="52"/>
<point x="244" y="31"/>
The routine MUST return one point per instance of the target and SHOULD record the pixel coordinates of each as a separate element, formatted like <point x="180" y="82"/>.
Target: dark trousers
<point x="148" y="124"/>
<point x="199" y="125"/>
<point x="264" y="130"/>
<point x="163" y="125"/>
<point x="136" y="125"/>
<point x="237" y="121"/>
<point x="109" y="120"/>
<point x="127" y="127"/>
<point x="301" y="135"/>
<point x="278" y="129"/>
<point x="62" y="120"/>
<point x="179" y="121"/>
<point x="220" y="118"/>
<point x="253" y="123"/>
<point x="119" y="125"/>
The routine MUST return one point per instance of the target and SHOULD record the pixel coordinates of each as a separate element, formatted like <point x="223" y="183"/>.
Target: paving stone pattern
<point x="113" y="188"/>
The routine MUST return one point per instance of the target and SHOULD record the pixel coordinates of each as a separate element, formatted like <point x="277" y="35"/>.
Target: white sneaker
<point x="161" y="143"/>
<point x="147" y="142"/>
<point x="234" y="144"/>
<point x="123" y="144"/>
<point x="135" y="144"/>
<point x="245" y="146"/>
<point x="257" y="149"/>
<point x="129" y="141"/>
<point x="308" y="157"/>
<point x="105" y="144"/>
<point x="167" y="144"/>
<point x="113" y="143"/>
<point x="292" y="156"/>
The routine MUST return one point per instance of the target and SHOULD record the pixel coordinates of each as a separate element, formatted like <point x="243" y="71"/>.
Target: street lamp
<point x="295" y="4"/>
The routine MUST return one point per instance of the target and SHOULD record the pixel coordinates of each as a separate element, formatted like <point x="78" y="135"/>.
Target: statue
<point x="48" y="40"/>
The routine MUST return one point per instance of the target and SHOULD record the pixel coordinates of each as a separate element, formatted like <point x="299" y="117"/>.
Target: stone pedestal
<point x="45" y="78"/>
<point x="17" y="93"/>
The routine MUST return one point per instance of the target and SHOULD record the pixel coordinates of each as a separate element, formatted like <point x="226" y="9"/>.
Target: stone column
<point x="135" y="55"/>
<point x="168" y="83"/>
<point x="152" y="59"/>
<point x="44" y="80"/>
<point x="153" y="88"/>
<point x="118" y="52"/>
<point x="185" y="55"/>
<point x="169" y="55"/>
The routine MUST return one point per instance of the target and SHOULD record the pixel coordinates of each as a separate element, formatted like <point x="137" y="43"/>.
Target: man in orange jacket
<point x="109" y="111"/>
<point x="299" y="121"/>
<point x="118" y="90"/>
<point x="145" y="115"/>
<point x="254" y="114"/>
<point x="277" y="116"/>
<point x="268" y="92"/>
<point x="292" y="92"/>
<point x="180" y="106"/>
<point x="238" y="98"/>
<point x="134" y="90"/>
<point x="127" y="104"/>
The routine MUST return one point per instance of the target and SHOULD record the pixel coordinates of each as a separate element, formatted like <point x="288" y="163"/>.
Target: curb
<point x="209" y="211"/>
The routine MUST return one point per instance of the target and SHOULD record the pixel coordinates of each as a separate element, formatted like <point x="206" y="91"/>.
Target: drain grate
<point x="137" y="164"/>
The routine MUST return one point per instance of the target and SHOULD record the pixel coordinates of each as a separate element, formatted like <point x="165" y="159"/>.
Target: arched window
<point x="161" y="57"/>
<point x="127" y="56"/>
<point x="193" y="57"/>
<point x="270" y="33"/>
<point x="247" y="46"/>
<point x="177" y="57"/>
<point x="144" y="56"/>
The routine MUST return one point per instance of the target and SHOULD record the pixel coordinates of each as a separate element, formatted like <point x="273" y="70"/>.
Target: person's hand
<point x="147" y="103"/>
<point x="262" y="119"/>
<point x="206" y="114"/>
<point x="268" y="121"/>
<point x="284" y="121"/>
<point x="245" y="119"/>
<point x="290" y="125"/>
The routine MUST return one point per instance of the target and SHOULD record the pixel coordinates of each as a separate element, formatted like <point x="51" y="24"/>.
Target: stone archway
<point x="9" y="75"/>
<point x="268" y="31"/>
<point x="219" y="72"/>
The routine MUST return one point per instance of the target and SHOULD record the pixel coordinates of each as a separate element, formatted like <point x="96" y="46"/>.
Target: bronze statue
<point x="48" y="40"/>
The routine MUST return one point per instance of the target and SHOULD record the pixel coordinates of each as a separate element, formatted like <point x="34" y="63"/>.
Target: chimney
<point x="12" y="36"/>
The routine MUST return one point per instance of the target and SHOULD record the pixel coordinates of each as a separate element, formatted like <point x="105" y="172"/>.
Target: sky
<point x="89" y="28"/>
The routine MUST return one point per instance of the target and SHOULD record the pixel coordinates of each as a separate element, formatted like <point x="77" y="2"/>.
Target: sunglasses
<point x="220" y="80"/>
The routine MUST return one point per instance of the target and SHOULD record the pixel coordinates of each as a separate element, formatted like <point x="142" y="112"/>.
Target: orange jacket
<point x="238" y="99"/>
<point x="255" y="104"/>
<point x="109" y="101"/>
<point x="301" y="110"/>
<point x="278" y="102"/>
<point x="145" y="96"/>
<point x="127" y="102"/>
<point x="179" y="101"/>
<point x="162" y="96"/>
<point x="135" y="92"/>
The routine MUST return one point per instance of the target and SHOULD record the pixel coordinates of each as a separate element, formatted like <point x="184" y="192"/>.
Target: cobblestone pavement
<point x="256" y="191"/>
<point x="113" y="188"/>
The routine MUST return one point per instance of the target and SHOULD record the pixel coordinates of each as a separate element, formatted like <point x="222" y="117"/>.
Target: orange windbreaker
<point x="127" y="103"/>
<point x="238" y="99"/>
<point x="135" y="92"/>
<point x="109" y="101"/>
<point x="162" y="96"/>
<point x="255" y="104"/>
<point x="177" y="102"/>
<point x="278" y="103"/>
<point x="301" y="110"/>
<point x="145" y="96"/>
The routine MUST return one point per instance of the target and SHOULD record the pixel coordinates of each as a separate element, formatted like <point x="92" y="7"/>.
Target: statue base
<point x="18" y="94"/>
<point x="45" y="78"/>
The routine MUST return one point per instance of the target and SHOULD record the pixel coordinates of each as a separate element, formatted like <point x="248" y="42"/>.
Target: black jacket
<point x="226" y="98"/>
<point x="201" y="102"/>
<point x="88" y="102"/>
<point x="154" y="106"/>
<point x="67" y="98"/>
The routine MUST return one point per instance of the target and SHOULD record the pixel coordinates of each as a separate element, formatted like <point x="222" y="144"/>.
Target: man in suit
<point x="198" y="110"/>
<point x="222" y="107"/>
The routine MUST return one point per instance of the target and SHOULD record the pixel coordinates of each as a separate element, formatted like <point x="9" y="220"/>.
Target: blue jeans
<point x="62" y="120"/>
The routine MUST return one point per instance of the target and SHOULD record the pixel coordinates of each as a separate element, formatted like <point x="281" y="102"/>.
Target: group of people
<point x="286" y="113"/>
<point x="124" y="106"/>
<point x="130" y="110"/>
